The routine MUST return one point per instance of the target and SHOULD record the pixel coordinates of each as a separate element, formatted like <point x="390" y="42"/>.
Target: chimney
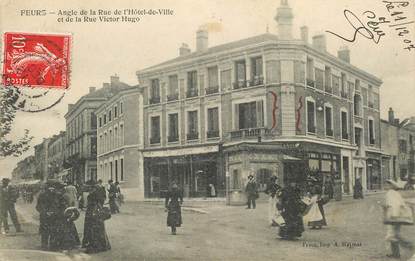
<point x="319" y="42"/>
<point x="115" y="79"/>
<point x="70" y="106"/>
<point x="201" y="40"/>
<point x="105" y="85"/>
<point x="304" y="33"/>
<point x="184" y="49"/>
<point x="344" y="54"/>
<point x="391" y="116"/>
<point x="92" y="89"/>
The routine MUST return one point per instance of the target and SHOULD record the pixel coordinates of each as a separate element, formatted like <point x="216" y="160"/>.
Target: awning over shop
<point x="287" y="157"/>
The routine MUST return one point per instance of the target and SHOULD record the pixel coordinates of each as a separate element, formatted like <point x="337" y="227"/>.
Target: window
<point x="212" y="122"/>
<point x="192" y="84"/>
<point x="311" y="117"/>
<point x="101" y="143"/>
<point x="155" y="91"/>
<point x="357" y="85"/>
<point x="402" y="146"/>
<point x="173" y="127"/>
<point x="236" y="179"/>
<point x="121" y="169"/>
<point x="213" y="78"/>
<point x="327" y="80"/>
<point x="111" y="140"/>
<point x="155" y="130"/>
<point x="371" y="132"/>
<point x="263" y="177"/>
<point x="225" y="80"/>
<point x="310" y="72"/>
<point x="319" y="76"/>
<point x="328" y="119"/>
<point x="173" y="88"/>
<point x="344" y="92"/>
<point x="121" y="109"/>
<point x="115" y="137"/>
<point x="250" y="115"/>
<point x="256" y="71"/>
<point x="357" y="103"/>
<point x="115" y="112"/>
<point x="111" y="170"/>
<point x="240" y="74"/>
<point x="105" y="118"/>
<point x="116" y="170"/>
<point x="109" y="115"/>
<point x="93" y="121"/>
<point x="100" y="122"/>
<point x="105" y="142"/>
<point x="192" y="130"/>
<point x="344" y="125"/>
<point x="121" y="135"/>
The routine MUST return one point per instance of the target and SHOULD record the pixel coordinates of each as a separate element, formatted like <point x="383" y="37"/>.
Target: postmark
<point x="36" y="60"/>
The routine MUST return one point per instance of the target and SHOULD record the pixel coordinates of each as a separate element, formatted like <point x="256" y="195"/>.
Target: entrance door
<point x="346" y="175"/>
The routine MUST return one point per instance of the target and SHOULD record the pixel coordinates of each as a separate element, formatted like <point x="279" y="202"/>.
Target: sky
<point x="100" y="50"/>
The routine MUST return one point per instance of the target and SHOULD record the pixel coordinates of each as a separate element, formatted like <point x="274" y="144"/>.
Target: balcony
<point x="155" y="100"/>
<point x="328" y="89"/>
<point x="192" y="136"/>
<point x="212" y="134"/>
<point x="345" y="136"/>
<point x="257" y="80"/>
<point x="173" y="97"/>
<point x="192" y="93"/>
<point x="310" y="82"/>
<point x="329" y="132"/>
<point x="173" y="138"/>
<point x="240" y="84"/>
<point x="311" y="129"/>
<point x="155" y="140"/>
<point x="212" y="90"/>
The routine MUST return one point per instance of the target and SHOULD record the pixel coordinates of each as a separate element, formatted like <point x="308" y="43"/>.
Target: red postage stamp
<point x="36" y="60"/>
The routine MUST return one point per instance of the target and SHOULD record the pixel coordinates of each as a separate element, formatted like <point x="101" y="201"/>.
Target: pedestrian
<point x="274" y="191"/>
<point x="9" y="198"/>
<point x="51" y="206"/>
<point x="212" y="190"/>
<point x="95" y="237"/>
<point x="102" y="194"/>
<point x="173" y="203"/>
<point x="329" y="187"/>
<point x="120" y="196"/>
<point x="71" y="195"/>
<point x="358" y="189"/>
<point x="315" y="216"/>
<point x="251" y="192"/>
<point x="291" y="208"/>
<point x="112" y="195"/>
<point x="396" y="214"/>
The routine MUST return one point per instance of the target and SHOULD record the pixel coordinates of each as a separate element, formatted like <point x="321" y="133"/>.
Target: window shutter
<point x="260" y="113"/>
<point x="236" y="117"/>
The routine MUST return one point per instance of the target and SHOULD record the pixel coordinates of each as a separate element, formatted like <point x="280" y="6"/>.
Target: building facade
<point x="398" y="146"/>
<point x="81" y="131"/>
<point x="56" y="152"/>
<point x="25" y="170"/>
<point x="259" y="106"/>
<point x="41" y="159"/>
<point x="120" y="141"/>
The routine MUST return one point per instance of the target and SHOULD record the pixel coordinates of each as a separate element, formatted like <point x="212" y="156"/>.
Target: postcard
<point x="207" y="130"/>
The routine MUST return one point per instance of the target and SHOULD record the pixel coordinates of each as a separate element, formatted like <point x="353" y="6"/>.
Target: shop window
<point x="236" y="179"/>
<point x="311" y="117"/>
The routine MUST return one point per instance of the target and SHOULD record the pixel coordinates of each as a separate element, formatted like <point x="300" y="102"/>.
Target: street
<point x="212" y="231"/>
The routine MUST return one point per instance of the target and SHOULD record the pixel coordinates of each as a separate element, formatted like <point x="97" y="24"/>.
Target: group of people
<point x="57" y="209"/>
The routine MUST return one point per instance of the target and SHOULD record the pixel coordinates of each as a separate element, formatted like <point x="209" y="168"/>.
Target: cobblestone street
<point x="212" y="231"/>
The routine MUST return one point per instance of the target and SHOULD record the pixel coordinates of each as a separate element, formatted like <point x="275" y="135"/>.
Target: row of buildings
<point x="265" y="105"/>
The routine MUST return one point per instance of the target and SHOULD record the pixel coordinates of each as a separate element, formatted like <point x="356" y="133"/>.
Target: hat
<point x="71" y="213"/>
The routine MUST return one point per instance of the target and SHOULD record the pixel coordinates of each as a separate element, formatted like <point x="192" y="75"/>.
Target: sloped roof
<point x="218" y="48"/>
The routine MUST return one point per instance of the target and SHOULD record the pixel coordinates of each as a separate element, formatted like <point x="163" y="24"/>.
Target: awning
<point x="287" y="157"/>
<point x="30" y="182"/>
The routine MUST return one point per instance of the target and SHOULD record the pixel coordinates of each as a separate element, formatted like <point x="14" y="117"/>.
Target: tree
<point x="9" y="105"/>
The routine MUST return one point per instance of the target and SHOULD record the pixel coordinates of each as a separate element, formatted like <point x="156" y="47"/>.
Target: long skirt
<point x="274" y="215"/>
<point x="95" y="237"/>
<point x="70" y="236"/>
<point x="314" y="217"/>
<point x="174" y="216"/>
<point x="293" y="227"/>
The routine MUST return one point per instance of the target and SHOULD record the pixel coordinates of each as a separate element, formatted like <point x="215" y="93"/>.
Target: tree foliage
<point x="9" y="105"/>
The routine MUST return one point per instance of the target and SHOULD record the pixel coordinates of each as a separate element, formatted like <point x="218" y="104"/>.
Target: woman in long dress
<point x="274" y="191"/>
<point x="315" y="217"/>
<point x="95" y="237"/>
<point x="174" y="200"/>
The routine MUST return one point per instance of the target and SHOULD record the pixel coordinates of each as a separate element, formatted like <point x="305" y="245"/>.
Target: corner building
<point x="265" y="105"/>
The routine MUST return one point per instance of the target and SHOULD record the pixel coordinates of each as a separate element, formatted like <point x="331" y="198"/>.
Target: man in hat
<point x="112" y="195"/>
<point x="9" y="196"/>
<point x="251" y="192"/>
